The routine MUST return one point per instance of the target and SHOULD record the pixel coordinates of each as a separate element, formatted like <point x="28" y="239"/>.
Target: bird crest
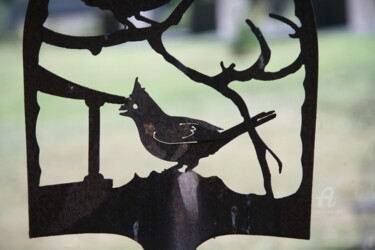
<point x="139" y="102"/>
<point x="137" y="87"/>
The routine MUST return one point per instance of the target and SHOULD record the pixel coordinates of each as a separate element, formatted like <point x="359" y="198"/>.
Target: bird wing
<point x="205" y="125"/>
<point x="185" y="130"/>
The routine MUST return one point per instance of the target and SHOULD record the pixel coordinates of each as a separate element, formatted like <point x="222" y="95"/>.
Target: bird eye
<point x="135" y="106"/>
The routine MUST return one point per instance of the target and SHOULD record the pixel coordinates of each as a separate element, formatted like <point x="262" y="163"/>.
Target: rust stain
<point x="149" y="128"/>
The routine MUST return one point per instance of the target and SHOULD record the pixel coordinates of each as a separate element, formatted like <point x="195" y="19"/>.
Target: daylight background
<point x="343" y="209"/>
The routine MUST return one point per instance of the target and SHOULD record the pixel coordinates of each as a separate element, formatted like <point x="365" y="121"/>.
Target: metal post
<point x="94" y="140"/>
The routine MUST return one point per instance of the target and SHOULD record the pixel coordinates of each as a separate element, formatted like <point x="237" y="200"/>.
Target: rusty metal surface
<point x="171" y="210"/>
<point x="179" y="139"/>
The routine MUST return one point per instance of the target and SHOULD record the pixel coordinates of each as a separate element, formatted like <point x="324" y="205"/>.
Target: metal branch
<point x="290" y="69"/>
<point x="177" y="14"/>
<point x="96" y="43"/>
<point x="288" y="22"/>
<point x="52" y="84"/>
<point x="284" y="72"/>
<point x="158" y="46"/>
<point x="230" y="74"/>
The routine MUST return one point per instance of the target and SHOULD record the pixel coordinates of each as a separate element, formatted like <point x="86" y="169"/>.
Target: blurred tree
<point x="10" y="1"/>
<point x="4" y="6"/>
<point x="11" y="13"/>
<point x="278" y="6"/>
<point x="361" y="15"/>
<point x="330" y="13"/>
<point x="109" y="24"/>
<point x="203" y="16"/>
<point x="244" y="42"/>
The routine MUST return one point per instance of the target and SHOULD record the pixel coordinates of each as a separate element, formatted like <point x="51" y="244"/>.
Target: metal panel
<point x="171" y="210"/>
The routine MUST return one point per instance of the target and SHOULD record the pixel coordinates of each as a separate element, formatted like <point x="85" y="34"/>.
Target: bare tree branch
<point x="290" y="69"/>
<point x="58" y="86"/>
<point x="284" y="72"/>
<point x="158" y="46"/>
<point x="96" y="43"/>
<point x="288" y="22"/>
<point x="228" y="74"/>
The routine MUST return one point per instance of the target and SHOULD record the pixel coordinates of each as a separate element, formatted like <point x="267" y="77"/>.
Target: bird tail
<point x="241" y="128"/>
<point x="230" y="134"/>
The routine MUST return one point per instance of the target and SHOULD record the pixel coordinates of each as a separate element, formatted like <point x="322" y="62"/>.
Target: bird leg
<point x="145" y="19"/>
<point x="176" y="167"/>
<point x="191" y="166"/>
<point x="126" y="22"/>
<point x="129" y="24"/>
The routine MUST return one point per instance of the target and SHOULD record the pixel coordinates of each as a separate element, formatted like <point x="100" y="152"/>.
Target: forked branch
<point x="293" y="67"/>
<point x="96" y="43"/>
<point x="230" y="74"/>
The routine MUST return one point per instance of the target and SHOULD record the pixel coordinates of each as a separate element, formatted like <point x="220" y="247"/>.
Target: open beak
<point x="124" y="109"/>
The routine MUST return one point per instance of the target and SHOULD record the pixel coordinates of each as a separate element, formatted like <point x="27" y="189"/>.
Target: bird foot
<point x="173" y="172"/>
<point x="173" y="169"/>
<point x="188" y="169"/>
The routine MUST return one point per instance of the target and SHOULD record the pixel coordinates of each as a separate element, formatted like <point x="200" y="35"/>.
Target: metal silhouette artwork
<point x="168" y="210"/>
<point x="179" y="139"/>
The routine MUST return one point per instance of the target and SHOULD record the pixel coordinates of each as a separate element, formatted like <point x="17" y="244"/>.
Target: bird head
<point x="139" y="103"/>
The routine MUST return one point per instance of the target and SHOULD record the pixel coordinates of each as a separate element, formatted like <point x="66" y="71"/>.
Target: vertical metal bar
<point x="94" y="139"/>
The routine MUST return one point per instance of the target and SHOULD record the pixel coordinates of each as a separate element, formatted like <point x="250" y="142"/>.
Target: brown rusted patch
<point x="149" y="128"/>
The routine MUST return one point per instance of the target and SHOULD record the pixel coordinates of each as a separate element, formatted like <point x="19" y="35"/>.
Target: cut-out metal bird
<point x="179" y="139"/>
<point x="124" y="9"/>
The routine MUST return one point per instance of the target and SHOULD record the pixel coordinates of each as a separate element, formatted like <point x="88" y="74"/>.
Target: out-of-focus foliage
<point x="3" y="17"/>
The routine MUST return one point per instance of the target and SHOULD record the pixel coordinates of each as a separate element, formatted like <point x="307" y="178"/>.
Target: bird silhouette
<point x="123" y="9"/>
<point x="179" y="139"/>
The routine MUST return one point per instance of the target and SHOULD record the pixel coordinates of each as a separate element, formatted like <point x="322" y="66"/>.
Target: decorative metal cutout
<point x="171" y="210"/>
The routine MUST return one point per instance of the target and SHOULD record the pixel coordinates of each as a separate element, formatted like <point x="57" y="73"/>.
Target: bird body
<point x="123" y="9"/>
<point x="177" y="139"/>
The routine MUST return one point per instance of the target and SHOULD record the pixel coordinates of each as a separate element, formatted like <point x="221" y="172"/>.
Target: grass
<point x="344" y="146"/>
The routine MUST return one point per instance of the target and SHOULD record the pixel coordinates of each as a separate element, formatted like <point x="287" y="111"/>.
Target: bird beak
<point x="125" y="109"/>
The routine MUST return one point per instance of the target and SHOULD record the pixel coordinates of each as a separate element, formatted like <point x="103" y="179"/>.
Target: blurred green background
<point x="345" y="139"/>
